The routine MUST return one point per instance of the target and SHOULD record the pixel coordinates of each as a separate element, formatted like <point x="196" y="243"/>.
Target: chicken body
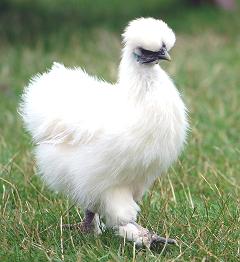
<point x="103" y="144"/>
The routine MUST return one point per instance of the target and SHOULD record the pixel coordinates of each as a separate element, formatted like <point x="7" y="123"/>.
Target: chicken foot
<point x="131" y="231"/>
<point x="142" y="236"/>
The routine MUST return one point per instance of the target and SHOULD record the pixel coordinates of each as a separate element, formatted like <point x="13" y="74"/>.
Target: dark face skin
<point x="146" y="56"/>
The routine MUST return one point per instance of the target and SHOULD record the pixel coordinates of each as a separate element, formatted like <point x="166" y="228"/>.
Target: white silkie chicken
<point x="103" y="144"/>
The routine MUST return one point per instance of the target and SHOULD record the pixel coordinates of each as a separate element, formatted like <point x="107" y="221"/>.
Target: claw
<point x="157" y="239"/>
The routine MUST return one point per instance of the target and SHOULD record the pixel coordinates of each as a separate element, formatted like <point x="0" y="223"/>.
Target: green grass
<point x="197" y="202"/>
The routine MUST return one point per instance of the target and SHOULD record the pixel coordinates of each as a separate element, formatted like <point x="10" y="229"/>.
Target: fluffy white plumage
<point x="105" y="144"/>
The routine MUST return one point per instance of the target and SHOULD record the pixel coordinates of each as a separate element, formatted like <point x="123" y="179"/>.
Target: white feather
<point x="105" y="144"/>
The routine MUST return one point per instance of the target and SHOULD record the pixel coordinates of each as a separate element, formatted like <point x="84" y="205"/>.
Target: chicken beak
<point x="164" y="55"/>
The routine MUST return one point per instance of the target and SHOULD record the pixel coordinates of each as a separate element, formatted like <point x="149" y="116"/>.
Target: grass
<point x="197" y="202"/>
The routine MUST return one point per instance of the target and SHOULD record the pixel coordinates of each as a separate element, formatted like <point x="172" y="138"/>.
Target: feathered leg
<point x="121" y="212"/>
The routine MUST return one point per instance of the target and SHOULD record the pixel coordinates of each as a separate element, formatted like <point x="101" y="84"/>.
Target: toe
<point x="157" y="240"/>
<point x="163" y="240"/>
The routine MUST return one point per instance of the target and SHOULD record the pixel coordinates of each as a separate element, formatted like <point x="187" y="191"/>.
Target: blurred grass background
<point x="198" y="201"/>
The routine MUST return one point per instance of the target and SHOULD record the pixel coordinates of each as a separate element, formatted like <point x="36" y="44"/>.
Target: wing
<point x="65" y="106"/>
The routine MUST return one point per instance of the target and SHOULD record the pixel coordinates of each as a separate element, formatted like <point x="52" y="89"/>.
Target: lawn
<point x="197" y="202"/>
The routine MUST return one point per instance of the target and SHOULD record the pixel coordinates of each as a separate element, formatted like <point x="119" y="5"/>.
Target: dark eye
<point x="146" y="52"/>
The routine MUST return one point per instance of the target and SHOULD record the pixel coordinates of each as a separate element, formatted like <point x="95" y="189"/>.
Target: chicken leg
<point x="90" y="223"/>
<point x="121" y="213"/>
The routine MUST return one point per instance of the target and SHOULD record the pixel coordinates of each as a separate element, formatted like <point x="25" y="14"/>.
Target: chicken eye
<point x="146" y="52"/>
